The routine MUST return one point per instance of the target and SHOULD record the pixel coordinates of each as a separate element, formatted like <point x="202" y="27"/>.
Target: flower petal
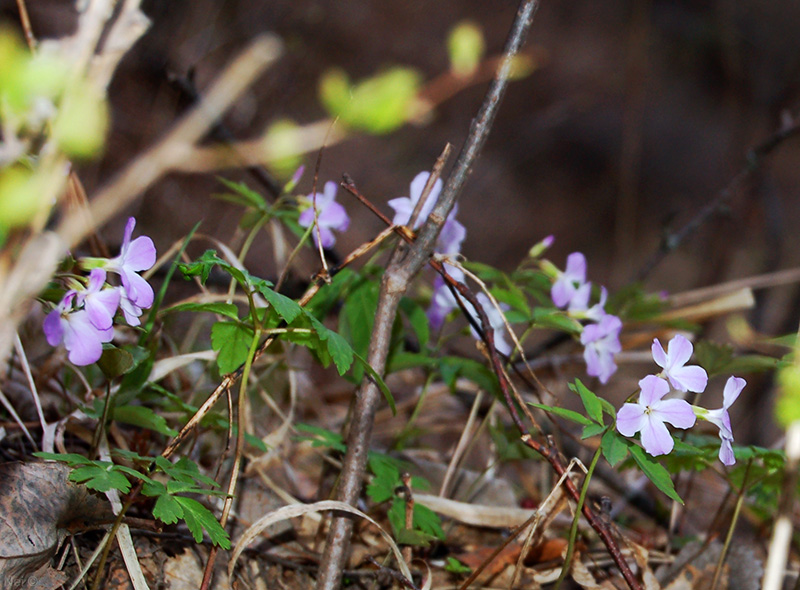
<point x="630" y="419"/>
<point x="680" y="351"/>
<point x="726" y="455"/>
<point x="576" y="267"/>
<point x="691" y="378"/>
<point x="141" y="254"/>
<point x="659" y="356"/>
<point x="677" y="412"/>
<point x="733" y="387"/>
<point x="656" y="439"/>
<point x="653" y="389"/>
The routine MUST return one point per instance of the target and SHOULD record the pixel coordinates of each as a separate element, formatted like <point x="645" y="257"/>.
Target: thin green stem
<point x="573" y="532"/>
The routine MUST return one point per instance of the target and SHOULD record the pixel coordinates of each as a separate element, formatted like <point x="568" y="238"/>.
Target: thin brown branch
<point x="754" y="158"/>
<point x="405" y="263"/>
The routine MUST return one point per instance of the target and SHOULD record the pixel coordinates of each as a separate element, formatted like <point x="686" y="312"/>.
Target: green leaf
<point x="379" y="382"/>
<point x="68" y="458"/>
<point x="452" y="367"/>
<point x="713" y="357"/>
<point x="286" y="307"/>
<point x="787" y="407"/>
<point x="101" y="477"/>
<point x="217" y="307"/>
<point x="198" y="517"/>
<point x="418" y="320"/>
<point x="654" y="471"/>
<point x="465" y="46"/>
<point x="556" y="319"/>
<point x="594" y="409"/>
<point x="168" y="510"/>
<point x="322" y="437"/>
<point x="232" y="341"/>
<point x="202" y="266"/>
<point x="377" y="105"/>
<point x="143" y="417"/>
<point x="592" y="430"/>
<point x="424" y="520"/>
<point x="358" y="316"/>
<point x="454" y="566"/>
<point x="338" y="348"/>
<point x="614" y="447"/>
<point x="242" y="194"/>
<point x="115" y="362"/>
<point x="563" y="413"/>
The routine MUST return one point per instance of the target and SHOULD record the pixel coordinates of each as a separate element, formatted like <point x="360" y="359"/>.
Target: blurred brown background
<point x="639" y="113"/>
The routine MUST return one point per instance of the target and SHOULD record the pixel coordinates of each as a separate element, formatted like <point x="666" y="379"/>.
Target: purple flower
<point x="453" y="232"/>
<point x="579" y="304"/>
<point x="100" y="304"/>
<point x="130" y="310"/>
<point x="601" y="342"/>
<point x="330" y="216"/>
<point x="443" y="300"/>
<point x="75" y="329"/>
<point x="135" y="256"/>
<point x="649" y="414"/>
<point x="692" y="378"/>
<point x="569" y="281"/>
<point x="496" y="321"/>
<point x="721" y="418"/>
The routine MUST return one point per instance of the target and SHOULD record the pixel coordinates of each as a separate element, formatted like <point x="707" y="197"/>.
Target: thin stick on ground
<point x="405" y="263"/>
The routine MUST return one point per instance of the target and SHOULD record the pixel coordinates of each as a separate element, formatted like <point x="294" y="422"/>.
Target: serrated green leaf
<point x="217" y="307"/>
<point x="154" y="488"/>
<point x="232" y="341"/>
<point x="614" y="447"/>
<point x="654" y="471"/>
<point x="68" y="458"/>
<point x="198" y="517"/>
<point x="168" y="510"/>
<point x="594" y="409"/>
<point x="178" y="487"/>
<point x="563" y="413"/>
<point x="338" y="347"/>
<point x="286" y="307"/>
<point x="143" y="417"/>
<point x="100" y="478"/>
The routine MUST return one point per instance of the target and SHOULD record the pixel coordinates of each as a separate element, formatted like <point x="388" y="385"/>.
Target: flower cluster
<point x="652" y="411"/>
<point x="84" y="318"/>
<point x="448" y="243"/>
<point x="328" y="214"/>
<point x="600" y="336"/>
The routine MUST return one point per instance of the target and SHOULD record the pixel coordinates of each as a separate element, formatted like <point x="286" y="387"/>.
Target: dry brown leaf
<point x="477" y="557"/>
<point x="39" y="506"/>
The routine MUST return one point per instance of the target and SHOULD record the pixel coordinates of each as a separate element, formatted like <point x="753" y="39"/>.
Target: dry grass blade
<point x="293" y="511"/>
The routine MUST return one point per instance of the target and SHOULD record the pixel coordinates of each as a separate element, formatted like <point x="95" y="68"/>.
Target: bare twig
<point x="754" y="159"/>
<point x="403" y="266"/>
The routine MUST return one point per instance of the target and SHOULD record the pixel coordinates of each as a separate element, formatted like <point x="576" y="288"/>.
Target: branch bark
<point x="404" y="265"/>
